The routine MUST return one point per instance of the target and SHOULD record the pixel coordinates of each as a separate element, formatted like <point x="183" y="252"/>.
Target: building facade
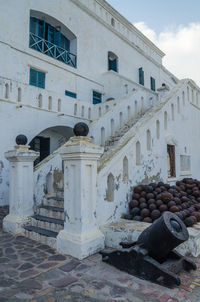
<point x="68" y="61"/>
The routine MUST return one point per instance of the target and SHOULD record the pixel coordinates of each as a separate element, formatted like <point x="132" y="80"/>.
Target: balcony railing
<point x="52" y="50"/>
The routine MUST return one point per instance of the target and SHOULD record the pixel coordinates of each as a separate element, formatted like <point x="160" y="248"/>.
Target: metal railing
<point x="51" y="50"/>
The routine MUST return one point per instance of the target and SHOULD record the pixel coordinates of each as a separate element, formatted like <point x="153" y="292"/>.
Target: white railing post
<point x="81" y="236"/>
<point x="20" y="187"/>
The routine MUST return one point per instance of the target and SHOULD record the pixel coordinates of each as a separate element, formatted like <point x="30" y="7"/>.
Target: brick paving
<point x="33" y="272"/>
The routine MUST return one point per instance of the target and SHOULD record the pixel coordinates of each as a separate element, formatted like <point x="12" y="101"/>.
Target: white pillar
<point x="81" y="236"/>
<point x="20" y="187"/>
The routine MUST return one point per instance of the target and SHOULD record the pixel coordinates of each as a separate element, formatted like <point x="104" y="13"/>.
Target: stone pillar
<point x="81" y="236"/>
<point x="20" y="187"/>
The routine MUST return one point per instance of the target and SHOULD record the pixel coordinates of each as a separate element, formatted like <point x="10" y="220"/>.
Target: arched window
<point x="89" y="113"/>
<point x="40" y="101"/>
<point x="50" y="103"/>
<point x="59" y="105"/>
<point x="125" y="168"/>
<point x="158" y="129"/>
<point x="142" y="104"/>
<point x="165" y="120"/>
<point x="178" y="105"/>
<point x="53" y="38"/>
<point x="82" y="111"/>
<point x="172" y="110"/>
<point x="120" y="119"/>
<point x="112" y="61"/>
<point x="7" y="91"/>
<point x="129" y="112"/>
<point x="183" y="98"/>
<point x="112" y="125"/>
<point x="136" y="107"/>
<point x="110" y="187"/>
<point x="99" y="111"/>
<point x="19" y="94"/>
<point x="113" y="22"/>
<point x="138" y="154"/>
<point x="148" y="140"/>
<point x="75" y="109"/>
<point x="107" y="108"/>
<point x="102" y="136"/>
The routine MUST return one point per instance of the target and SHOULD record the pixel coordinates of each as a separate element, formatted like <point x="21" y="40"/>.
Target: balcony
<point x="52" y="50"/>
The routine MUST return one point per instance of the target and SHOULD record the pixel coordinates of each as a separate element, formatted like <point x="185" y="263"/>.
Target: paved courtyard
<point x="33" y="272"/>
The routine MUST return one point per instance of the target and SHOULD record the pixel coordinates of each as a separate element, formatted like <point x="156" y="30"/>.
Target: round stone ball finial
<point x="81" y="129"/>
<point x="21" y="139"/>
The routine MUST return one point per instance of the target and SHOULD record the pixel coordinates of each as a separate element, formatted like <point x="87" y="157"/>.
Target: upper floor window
<point x="37" y="78"/>
<point x="97" y="97"/>
<point x="153" y="84"/>
<point x="141" y="76"/>
<point x="53" y="40"/>
<point x="70" y="93"/>
<point x="112" y="61"/>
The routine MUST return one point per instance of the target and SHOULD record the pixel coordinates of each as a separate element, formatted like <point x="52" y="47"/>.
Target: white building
<point x="68" y="61"/>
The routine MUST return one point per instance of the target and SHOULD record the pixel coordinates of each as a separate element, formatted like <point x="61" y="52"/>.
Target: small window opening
<point x="112" y="61"/>
<point x="171" y="161"/>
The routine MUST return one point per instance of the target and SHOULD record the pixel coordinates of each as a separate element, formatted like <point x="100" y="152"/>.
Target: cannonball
<point x="148" y="189"/>
<point x="137" y="218"/>
<point x="160" y="184"/>
<point x="163" y="189"/>
<point x="196" y="193"/>
<point x="135" y="211"/>
<point x="137" y="189"/>
<point x="143" y="205"/>
<point x="184" y="199"/>
<point x="197" y="207"/>
<point x="174" y="209"/>
<point x="147" y="219"/>
<point x="177" y="200"/>
<point x="127" y="216"/>
<point x="171" y="204"/>
<point x="135" y="196"/>
<point x="197" y="215"/>
<point x="159" y="202"/>
<point x="150" y="201"/>
<point x="159" y="197"/>
<point x="133" y="203"/>
<point x="152" y="207"/>
<point x="143" y="194"/>
<point x="145" y="213"/>
<point x="194" y="219"/>
<point x="149" y="196"/>
<point x="167" y="186"/>
<point x="158" y="190"/>
<point x="142" y="199"/>
<point x="189" y="221"/>
<point x="155" y="214"/>
<point x="166" y="197"/>
<point x="163" y="208"/>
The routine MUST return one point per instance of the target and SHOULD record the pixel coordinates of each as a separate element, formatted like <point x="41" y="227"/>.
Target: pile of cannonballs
<point x="149" y="202"/>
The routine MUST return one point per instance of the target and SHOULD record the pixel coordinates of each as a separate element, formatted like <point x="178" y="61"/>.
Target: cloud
<point x="181" y="44"/>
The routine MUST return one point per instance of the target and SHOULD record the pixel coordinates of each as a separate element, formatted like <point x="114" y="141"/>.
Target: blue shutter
<point x="141" y="76"/>
<point x="41" y="79"/>
<point x="37" y="78"/>
<point x="33" y="77"/>
<point x="71" y="94"/>
<point x="153" y="84"/>
<point x="97" y="97"/>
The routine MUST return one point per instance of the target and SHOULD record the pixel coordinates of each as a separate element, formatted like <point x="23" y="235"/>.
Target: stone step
<point x="54" y="201"/>
<point x="50" y="211"/>
<point x="41" y="235"/>
<point x="47" y="223"/>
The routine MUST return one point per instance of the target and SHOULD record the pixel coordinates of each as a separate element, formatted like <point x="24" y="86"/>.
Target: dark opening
<point x="42" y="145"/>
<point x="171" y="161"/>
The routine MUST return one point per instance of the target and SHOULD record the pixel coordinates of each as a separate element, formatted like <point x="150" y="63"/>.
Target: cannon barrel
<point x="163" y="236"/>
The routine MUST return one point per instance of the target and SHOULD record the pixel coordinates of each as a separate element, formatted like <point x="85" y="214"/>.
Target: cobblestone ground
<point x="33" y="272"/>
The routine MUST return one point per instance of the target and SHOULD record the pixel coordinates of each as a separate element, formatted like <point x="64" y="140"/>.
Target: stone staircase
<point x="112" y="140"/>
<point x="47" y="220"/>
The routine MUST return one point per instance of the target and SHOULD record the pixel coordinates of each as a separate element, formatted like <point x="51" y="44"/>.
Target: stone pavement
<point x="33" y="272"/>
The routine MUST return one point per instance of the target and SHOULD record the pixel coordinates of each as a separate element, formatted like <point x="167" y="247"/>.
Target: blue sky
<point x="159" y="14"/>
<point x="174" y="26"/>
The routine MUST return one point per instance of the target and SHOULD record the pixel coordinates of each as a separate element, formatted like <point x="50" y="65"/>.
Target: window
<point x="153" y="84"/>
<point x="71" y="94"/>
<point x="97" y="97"/>
<point x="112" y="61"/>
<point x="49" y="40"/>
<point x="37" y="78"/>
<point x="141" y="76"/>
<point x="171" y="161"/>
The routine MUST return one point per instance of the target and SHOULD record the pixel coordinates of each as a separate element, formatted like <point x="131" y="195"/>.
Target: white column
<point x="20" y="187"/>
<point x="81" y="236"/>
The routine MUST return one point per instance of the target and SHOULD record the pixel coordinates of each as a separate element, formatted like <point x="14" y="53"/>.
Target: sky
<point x="174" y="26"/>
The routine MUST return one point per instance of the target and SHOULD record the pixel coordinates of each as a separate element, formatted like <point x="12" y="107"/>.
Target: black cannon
<point x="152" y="257"/>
